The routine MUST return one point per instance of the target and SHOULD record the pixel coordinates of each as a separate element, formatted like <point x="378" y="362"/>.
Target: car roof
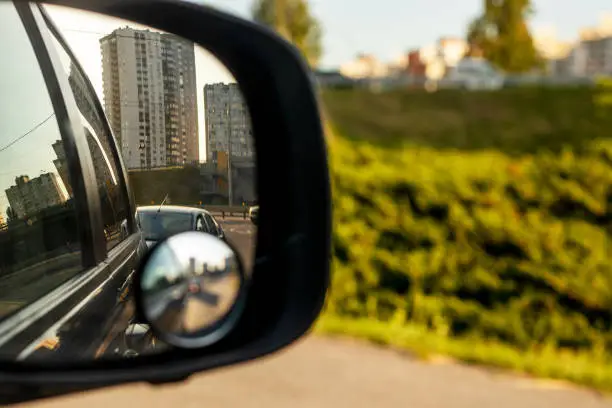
<point x="171" y="208"/>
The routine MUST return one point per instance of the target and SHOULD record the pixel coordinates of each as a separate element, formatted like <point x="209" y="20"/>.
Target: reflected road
<point x="177" y="310"/>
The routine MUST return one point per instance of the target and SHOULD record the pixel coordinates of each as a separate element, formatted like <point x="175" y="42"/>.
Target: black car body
<point x="67" y="265"/>
<point x="160" y="222"/>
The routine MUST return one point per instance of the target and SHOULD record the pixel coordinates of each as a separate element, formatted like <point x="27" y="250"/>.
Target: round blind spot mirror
<point x="191" y="289"/>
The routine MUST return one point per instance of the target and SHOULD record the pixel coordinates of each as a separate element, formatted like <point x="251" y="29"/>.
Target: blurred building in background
<point x="589" y="56"/>
<point x="414" y="68"/>
<point x="150" y="97"/>
<point x="364" y="66"/>
<point x="227" y="117"/>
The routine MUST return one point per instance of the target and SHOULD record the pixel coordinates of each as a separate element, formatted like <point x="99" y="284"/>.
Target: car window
<point x="200" y="225"/>
<point x="114" y="205"/>
<point x="158" y="225"/>
<point x="39" y="241"/>
<point x="212" y="227"/>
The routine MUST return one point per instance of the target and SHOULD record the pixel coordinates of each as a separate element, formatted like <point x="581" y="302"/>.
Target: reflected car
<point x="160" y="222"/>
<point x="253" y="214"/>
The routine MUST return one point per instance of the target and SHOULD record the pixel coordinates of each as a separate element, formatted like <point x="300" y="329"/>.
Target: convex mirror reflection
<point x="190" y="288"/>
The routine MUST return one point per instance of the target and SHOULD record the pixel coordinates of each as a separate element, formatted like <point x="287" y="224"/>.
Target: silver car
<point x="160" y="222"/>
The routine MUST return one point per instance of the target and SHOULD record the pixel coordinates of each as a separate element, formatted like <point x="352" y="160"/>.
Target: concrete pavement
<point x="242" y="234"/>
<point x="326" y="373"/>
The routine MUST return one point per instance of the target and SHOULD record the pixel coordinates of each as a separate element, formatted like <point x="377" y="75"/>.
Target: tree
<point x="293" y="20"/>
<point x="502" y="37"/>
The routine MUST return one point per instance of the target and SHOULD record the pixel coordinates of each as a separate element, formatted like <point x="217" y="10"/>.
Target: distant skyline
<point x="395" y="26"/>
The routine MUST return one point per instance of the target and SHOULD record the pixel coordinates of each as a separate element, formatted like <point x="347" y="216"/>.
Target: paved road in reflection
<point x="177" y="310"/>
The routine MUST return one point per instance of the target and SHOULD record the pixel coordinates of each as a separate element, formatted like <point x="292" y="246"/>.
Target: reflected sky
<point x="162" y="263"/>
<point x="202" y="247"/>
<point x="172" y="257"/>
<point x="22" y="153"/>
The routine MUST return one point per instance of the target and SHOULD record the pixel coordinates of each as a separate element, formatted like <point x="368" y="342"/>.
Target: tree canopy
<point x="293" y="20"/>
<point x="501" y="35"/>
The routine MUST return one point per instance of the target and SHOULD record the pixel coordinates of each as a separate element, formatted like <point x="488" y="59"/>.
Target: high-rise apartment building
<point x="29" y="196"/>
<point x="149" y="84"/>
<point x="227" y="115"/>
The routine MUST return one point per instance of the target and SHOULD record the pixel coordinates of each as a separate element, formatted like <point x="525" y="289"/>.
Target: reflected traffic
<point x="190" y="284"/>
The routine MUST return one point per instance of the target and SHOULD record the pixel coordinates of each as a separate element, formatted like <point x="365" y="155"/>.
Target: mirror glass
<point x="190" y="286"/>
<point x="166" y="133"/>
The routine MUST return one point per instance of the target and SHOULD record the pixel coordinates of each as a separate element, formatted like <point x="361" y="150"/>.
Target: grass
<point x="512" y="120"/>
<point x="583" y="369"/>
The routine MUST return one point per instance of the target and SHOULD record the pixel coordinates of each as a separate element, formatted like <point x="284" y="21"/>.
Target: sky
<point x="28" y="127"/>
<point x="394" y="26"/>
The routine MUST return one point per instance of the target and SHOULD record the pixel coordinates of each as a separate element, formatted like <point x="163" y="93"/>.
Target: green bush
<point x="181" y="184"/>
<point x="476" y="244"/>
<point x="520" y="120"/>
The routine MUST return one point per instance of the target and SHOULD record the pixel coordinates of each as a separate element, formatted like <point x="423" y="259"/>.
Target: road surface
<point x="176" y="310"/>
<point x="330" y="373"/>
<point x="326" y="373"/>
<point x="241" y="234"/>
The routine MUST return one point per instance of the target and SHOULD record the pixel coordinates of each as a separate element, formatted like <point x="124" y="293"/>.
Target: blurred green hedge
<point x="517" y="120"/>
<point x="476" y="244"/>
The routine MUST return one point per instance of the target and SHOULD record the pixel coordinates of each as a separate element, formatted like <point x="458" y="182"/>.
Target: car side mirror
<point x="248" y="315"/>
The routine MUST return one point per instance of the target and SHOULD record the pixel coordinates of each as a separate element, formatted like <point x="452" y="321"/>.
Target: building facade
<point x="227" y="117"/>
<point x="61" y="165"/>
<point x="30" y="196"/>
<point x="149" y="85"/>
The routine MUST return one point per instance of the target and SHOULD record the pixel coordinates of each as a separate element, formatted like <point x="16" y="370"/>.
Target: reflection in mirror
<point x="39" y="242"/>
<point x="190" y="286"/>
<point x="157" y="131"/>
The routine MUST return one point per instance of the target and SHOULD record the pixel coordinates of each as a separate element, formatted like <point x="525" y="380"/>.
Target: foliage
<point x="516" y="121"/>
<point x="294" y="21"/>
<point x="477" y="245"/>
<point x="502" y="35"/>
<point x="182" y="185"/>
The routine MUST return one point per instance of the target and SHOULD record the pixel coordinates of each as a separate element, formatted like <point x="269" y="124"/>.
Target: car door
<point x="64" y="256"/>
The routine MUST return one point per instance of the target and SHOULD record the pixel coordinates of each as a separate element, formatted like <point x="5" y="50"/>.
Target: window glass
<point x="200" y="224"/>
<point x="159" y="225"/>
<point x="39" y="241"/>
<point x="212" y="228"/>
<point x="115" y="208"/>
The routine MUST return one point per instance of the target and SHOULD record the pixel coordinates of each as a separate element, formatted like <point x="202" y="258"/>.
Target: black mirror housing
<point x="292" y="261"/>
